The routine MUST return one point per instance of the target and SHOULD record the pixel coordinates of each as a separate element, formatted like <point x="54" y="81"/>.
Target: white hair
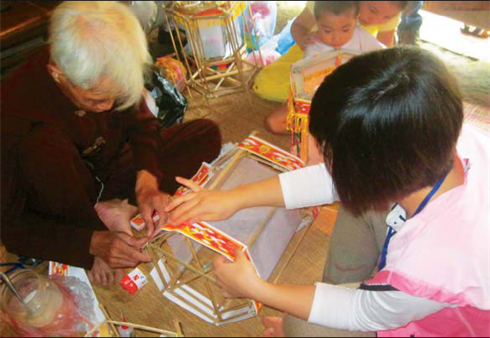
<point x="95" y="40"/>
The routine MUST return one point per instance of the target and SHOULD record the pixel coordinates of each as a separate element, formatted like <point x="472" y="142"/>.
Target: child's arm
<point x="301" y="188"/>
<point x="217" y="205"/>
<point x="239" y="280"/>
<point x="302" y="26"/>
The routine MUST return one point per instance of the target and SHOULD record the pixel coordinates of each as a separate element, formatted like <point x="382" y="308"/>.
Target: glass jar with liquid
<point x="42" y="297"/>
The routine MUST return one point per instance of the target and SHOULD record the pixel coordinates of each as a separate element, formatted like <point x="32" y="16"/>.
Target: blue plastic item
<point x="286" y="40"/>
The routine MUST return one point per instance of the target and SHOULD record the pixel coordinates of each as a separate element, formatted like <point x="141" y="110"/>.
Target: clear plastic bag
<point x="265" y="16"/>
<point x="56" y="306"/>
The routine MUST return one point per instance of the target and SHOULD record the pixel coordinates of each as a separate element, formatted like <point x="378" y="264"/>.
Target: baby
<point x="337" y="28"/>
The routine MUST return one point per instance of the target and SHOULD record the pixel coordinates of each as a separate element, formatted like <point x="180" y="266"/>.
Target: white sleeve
<point x="308" y="187"/>
<point x="342" y="308"/>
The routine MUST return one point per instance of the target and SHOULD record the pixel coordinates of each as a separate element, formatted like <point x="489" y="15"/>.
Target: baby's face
<point x="336" y="30"/>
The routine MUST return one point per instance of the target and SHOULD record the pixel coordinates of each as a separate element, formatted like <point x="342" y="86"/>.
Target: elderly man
<point x="80" y="148"/>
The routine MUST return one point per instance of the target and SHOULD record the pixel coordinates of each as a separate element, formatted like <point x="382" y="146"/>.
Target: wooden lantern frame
<point x="191" y="284"/>
<point x="220" y="76"/>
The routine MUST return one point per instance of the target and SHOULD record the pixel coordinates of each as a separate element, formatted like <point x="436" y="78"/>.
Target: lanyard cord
<point x="392" y="232"/>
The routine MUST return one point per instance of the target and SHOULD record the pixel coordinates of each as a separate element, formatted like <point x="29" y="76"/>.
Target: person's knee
<point x="275" y="124"/>
<point x="211" y="130"/>
<point x="295" y="327"/>
<point x="334" y="276"/>
<point x="269" y="124"/>
<point x="209" y="133"/>
<point x="337" y="273"/>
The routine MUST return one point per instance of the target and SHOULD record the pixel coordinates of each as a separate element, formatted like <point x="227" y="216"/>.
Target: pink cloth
<point x="443" y="253"/>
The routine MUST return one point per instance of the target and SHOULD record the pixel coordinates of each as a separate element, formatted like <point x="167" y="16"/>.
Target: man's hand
<point x="118" y="249"/>
<point x="151" y="200"/>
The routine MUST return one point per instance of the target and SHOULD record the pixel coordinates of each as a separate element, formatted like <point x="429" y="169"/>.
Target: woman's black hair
<point x="335" y="7"/>
<point x="387" y="122"/>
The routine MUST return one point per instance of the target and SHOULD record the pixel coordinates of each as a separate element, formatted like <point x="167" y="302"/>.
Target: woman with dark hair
<point x="390" y="124"/>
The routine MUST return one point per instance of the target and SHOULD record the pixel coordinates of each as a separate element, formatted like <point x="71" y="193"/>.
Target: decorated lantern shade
<point x="214" y="50"/>
<point x="183" y="254"/>
<point x="306" y="76"/>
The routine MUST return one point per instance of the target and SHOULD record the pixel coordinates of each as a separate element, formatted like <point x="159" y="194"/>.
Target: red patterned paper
<point x="214" y="239"/>
<point x="200" y="178"/>
<point x="271" y="153"/>
<point x="208" y="236"/>
<point x="58" y="269"/>
<point x="302" y="106"/>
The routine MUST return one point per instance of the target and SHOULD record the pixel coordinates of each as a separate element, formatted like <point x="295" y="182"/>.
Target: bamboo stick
<point x="188" y="266"/>
<point x="95" y="328"/>
<point x="155" y="262"/>
<point x="237" y="307"/>
<point x="208" y="287"/>
<point x="112" y="326"/>
<point x="179" y="274"/>
<point x="262" y="226"/>
<point x="143" y="327"/>
<point x="233" y="162"/>
<point x="178" y="328"/>
<point x="283" y="268"/>
<point x="195" y="307"/>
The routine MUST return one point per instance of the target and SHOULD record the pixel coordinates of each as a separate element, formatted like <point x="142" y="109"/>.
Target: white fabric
<point x="361" y="41"/>
<point x="342" y="308"/>
<point x="307" y="187"/>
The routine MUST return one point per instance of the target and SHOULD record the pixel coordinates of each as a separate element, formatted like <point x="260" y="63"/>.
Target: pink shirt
<point x="439" y="260"/>
<point x="443" y="254"/>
